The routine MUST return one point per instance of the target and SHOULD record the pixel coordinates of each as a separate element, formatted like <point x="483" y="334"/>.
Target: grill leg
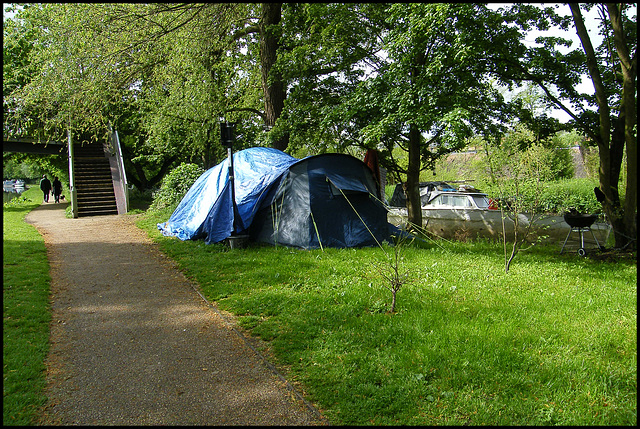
<point x="565" y="240"/>
<point x="594" y="237"/>
<point x="582" y="251"/>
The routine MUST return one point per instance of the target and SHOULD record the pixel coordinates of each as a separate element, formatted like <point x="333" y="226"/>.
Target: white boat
<point x="453" y="223"/>
<point x="465" y="213"/>
<point x="19" y="183"/>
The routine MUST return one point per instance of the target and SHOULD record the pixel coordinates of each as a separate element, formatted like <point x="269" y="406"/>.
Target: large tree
<point x="325" y="52"/>
<point x="608" y="116"/>
<point x="164" y="73"/>
<point x="434" y="87"/>
<point x="622" y="58"/>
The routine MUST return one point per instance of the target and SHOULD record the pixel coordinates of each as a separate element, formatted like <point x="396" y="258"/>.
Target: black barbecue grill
<point x="580" y="223"/>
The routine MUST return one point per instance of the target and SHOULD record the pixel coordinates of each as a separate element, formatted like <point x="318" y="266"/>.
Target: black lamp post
<point x="227" y="137"/>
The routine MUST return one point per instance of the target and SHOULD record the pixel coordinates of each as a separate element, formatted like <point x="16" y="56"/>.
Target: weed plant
<point x="553" y="342"/>
<point x="25" y="312"/>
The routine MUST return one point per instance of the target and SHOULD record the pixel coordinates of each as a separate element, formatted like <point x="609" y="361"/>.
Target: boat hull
<point x="474" y="223"/>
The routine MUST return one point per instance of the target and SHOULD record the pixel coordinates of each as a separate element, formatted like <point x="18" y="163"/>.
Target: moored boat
<point x="454" y="223"/>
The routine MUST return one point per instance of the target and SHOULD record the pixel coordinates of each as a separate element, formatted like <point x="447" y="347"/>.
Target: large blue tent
<point x="327" y="200"/>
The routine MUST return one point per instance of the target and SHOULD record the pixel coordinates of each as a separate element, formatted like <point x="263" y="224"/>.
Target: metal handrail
<point x="72" y="181"/>
<point x="120" y="161"/>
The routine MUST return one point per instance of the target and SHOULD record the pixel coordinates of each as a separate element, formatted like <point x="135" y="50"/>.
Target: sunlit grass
<point x="25" y="313"/>
<point x="551" y="342"/>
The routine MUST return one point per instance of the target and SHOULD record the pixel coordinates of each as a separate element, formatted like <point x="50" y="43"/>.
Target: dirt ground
<point x="134" y="343"/>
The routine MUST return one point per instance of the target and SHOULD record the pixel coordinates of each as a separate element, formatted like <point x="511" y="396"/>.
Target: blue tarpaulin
<point x="206" y="210"/>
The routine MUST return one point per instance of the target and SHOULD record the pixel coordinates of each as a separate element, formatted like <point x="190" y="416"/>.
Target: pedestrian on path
<point x="45" y="187"/>
<point x="57" y="189"/>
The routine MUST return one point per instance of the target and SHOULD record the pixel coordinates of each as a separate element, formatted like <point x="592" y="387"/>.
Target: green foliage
<point x="421" y="77"/>
<point x="25" y="313"/>
<point x="325" y="50"/>
<point x="563" y="195"/>
<point x="521" y="153"/>
<point x="175" y="185"/>
<point x="554" y="197"/>
<point x="467" y="345"/>
<point x="21" y="170"/>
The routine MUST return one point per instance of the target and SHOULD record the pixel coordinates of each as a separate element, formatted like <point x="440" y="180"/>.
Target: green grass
<point x="25" y="313"/>
<point x="552" y="342"/>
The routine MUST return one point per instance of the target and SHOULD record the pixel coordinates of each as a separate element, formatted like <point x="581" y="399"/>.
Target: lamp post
<point x="227" y="137"/>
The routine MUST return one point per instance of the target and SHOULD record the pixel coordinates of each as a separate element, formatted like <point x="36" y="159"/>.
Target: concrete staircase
<point x="94" y="186"/>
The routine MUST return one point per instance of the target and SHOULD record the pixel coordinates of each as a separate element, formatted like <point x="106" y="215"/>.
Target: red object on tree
<point x="371" y="160"/>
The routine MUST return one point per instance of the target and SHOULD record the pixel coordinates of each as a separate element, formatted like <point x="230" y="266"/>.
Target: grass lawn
<point x="554" y="341"/>
<point x="25" y="313"/>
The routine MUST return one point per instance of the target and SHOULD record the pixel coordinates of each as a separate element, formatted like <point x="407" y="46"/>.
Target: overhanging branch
<point x="248" y="109"/>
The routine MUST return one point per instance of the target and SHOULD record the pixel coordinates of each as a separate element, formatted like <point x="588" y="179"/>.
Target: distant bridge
<point x="31" y="145"/>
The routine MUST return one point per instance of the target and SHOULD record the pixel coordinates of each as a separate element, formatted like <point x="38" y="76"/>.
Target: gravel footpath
<point x="133" y="342"/>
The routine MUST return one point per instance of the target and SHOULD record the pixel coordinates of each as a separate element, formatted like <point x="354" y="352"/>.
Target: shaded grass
<point x="26" y="313"/>
<point x="551" y="342"/>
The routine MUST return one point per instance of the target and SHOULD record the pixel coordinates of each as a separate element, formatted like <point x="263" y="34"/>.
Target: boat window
<point x="481" y="201"/>
<point x="445" y="200"/>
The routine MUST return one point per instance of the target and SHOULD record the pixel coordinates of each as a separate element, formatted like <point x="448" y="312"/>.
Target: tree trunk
<point x="414" y="209"/>
<point x="272" y="85"/>
<point x="611" y="144"/>
<point x="628" y="106"/>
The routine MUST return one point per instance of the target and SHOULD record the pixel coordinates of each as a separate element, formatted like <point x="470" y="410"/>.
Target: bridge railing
<point x="116" y="152"/>
<point x="72" y="182"/>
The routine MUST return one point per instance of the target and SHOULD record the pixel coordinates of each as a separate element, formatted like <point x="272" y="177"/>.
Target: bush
<point x="560" y="196"/>
<point x="555" y="196"/>
<point x="175" y="185"/>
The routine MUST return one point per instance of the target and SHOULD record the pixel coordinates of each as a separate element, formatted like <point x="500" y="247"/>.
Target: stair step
<point x="93" y="181"/>
<point x="97" y="203"/>
<point x="86" y="156"/>
<point x="107" y="205"/>
<point x="98" y="197"/>
<point x="93" y="174"/>
<point x="94" y="186"/>
<point x="90" y="173"/>
<point x="96" y="213"/>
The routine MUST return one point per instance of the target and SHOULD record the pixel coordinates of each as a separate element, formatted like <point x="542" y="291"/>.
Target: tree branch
<point x="247" y="109"/>
<point x="592" y="66"/>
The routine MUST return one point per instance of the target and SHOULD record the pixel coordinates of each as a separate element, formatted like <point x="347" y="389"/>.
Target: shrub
<point x="555" y="196"/>
<point x="562" y="195"/>
<point x="175" y="185"/>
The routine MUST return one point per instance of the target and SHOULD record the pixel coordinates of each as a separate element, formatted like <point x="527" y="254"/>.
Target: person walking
<point x="45" y="187"/>
<point x="57" y="189"/>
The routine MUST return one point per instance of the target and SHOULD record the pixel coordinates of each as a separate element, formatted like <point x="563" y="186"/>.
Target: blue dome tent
<point x="326" y="200"/>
